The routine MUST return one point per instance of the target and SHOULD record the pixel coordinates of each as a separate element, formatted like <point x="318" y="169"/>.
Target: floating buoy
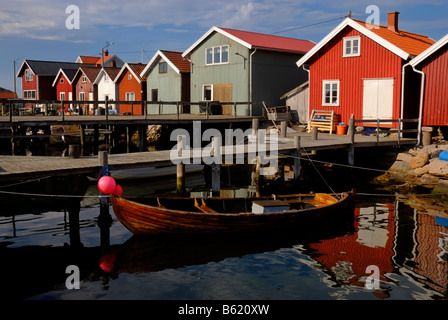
<point x="118" y="191"/>
<point x="107" y="184"/>
<point x="443" y="155"/>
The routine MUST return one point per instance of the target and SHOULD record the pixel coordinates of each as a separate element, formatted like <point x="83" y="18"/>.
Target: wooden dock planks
<point x="27" y="167"/>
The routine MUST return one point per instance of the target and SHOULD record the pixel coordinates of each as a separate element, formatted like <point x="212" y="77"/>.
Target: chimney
<point x="392" y="21"/>
<point x="106" y="53"/>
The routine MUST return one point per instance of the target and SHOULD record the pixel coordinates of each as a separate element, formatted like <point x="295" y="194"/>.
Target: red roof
<point x="177" y="59"/>
<point x="412" y="43"/>
<point x="271" y="42"/>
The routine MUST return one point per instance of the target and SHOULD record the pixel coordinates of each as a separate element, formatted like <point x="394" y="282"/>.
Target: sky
<point x="49" y="29"/>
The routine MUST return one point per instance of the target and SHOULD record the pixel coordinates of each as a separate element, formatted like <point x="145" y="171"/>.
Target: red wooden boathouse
<point x="433" y="65"/>
<point x="357" y="70"/>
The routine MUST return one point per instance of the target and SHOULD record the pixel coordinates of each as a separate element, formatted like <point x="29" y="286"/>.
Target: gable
<point x="252" y="40"/>
<point x="428" y="54"/>
<point x="395" y="42"/>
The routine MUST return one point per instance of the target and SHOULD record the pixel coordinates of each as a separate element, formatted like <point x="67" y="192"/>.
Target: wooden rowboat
<point x="217" y="215"/>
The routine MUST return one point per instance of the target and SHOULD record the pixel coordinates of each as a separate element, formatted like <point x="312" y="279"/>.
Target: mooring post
<point x="314" y="132"/>
<point x="180" y="185"/>
<point x="351" y="148"/>
<point x="104" y="219"/>
<point x="296" y="157"/>
<point x="216" y="167"/>
<point x="283" y="127"/>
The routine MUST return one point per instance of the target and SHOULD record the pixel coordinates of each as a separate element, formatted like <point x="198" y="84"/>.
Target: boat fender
<point x="443" y="155"/>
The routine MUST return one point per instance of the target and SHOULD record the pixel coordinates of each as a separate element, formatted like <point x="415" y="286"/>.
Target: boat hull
<point x="149" y="219"/>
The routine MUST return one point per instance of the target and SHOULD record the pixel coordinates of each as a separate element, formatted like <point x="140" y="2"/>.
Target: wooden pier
<point x="29" y="167"/>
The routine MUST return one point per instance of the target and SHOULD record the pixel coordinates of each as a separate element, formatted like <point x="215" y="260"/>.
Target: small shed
<point x="297" y="100"/>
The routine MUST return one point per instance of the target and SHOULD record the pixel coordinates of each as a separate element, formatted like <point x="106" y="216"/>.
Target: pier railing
<point x="400" y="130"/>
<point x="19" y="107"/>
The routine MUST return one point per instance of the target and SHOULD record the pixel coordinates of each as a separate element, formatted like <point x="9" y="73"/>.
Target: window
<point x="163" y="67"/>
<point x="62" y="80"/>
<point x="130" y="96"/>
<point x="62" y="96"/>
<point x="155" y="94"/>
<point x="106" y="78"/>
<point x="207" y="92"/>
<point x="217" y="55"/>
<point x="352" y="46"/>
<point x="82" y="96"/>
<point x="84" y="79"/>
<point x="29" y="94"/>
<point x="330" y="93"/>
<point x="28" y="75"/>
<point x="129" y="76"/>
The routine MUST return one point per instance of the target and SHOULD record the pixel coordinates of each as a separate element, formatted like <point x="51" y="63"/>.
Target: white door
<point x="378" y="98"/>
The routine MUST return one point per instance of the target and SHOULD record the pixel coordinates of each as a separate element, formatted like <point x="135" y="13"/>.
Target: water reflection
<point x="409" y="247"/>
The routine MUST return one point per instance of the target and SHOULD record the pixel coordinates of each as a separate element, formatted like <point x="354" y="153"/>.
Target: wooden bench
<point x="323" y="121"/>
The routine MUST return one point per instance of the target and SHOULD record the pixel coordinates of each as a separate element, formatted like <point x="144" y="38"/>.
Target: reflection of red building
<point x="398" y="240"/>
<point x="432" y="253"/>
<point x="348" y="257"/>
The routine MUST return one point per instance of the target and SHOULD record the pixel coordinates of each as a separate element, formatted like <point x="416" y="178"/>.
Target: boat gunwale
<point x="345" y="195"/>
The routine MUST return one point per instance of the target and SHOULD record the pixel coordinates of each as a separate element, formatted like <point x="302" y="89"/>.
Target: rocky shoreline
<point x="419" y="167"/>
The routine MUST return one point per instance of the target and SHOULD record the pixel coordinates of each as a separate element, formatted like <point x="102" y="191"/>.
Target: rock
<point x="405" y="157"/>
<point x="420" y="160"/>
<point x="427" y="181"/>
<point x="401" y="166"/>
<point x="438" y="167"/>
<point x="422" y="170"/>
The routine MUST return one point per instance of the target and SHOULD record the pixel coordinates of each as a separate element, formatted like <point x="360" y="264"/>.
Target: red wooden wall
<point x="435" y="111"/>
<point x="374" y="62"/>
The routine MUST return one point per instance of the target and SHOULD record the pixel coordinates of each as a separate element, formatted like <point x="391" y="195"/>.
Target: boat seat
<point x="203" y="206"/>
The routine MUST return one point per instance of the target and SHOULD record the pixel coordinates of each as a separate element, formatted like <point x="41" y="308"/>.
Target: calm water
<point x="37" y="242"/>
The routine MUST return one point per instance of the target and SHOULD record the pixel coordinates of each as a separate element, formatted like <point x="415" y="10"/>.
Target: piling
<point x="104" y="219"/>
<point x="296" y="157"/>
<point x="180" y="181"/>
<point x="283" y="128"/>
<point x="315" y="132"/>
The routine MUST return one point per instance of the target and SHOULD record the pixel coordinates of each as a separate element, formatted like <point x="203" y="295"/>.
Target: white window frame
<point x="82" y="96"/>
<point x="129" y="76"/>
<point x="203" y="92"/>
<point x="130" y="96"/>
<point x="62" y="80"/>
<point x="29" y="76"/>
<point x="29" y="94"/>
<point x="84" y="79"/>
<point x="331" y="83"/>
<point x="351" y="41"/>
<point x="62" y="96"/>
<point x="216" y="53"/>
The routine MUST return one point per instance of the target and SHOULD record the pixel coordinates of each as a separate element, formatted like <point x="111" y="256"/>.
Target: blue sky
<point x="31" y="29"/>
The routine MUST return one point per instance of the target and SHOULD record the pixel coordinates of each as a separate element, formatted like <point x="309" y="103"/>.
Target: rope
<point x="52" y="195"/>
<point x="332" y="163"/>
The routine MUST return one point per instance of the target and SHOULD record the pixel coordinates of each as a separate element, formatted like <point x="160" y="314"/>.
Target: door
<point x="378" y="98"/>
<point x="223" y="93"/>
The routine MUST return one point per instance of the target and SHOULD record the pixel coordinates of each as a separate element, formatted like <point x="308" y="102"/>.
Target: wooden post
<point x="104" y="219"/>
<point x="315" y="132"/>
<point x="82" y="137"/>
<point x="283" y="127"/>
<point x="177" y="110"/>
<point x="180" y="186"/>
<point x="351" y="130"/>
<point x="62" y="110"/>
<point x="107" y="109"/>
<point x="296" y="157"/>
<point x="216" y="179"/>
<point x="95" y="139"/>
